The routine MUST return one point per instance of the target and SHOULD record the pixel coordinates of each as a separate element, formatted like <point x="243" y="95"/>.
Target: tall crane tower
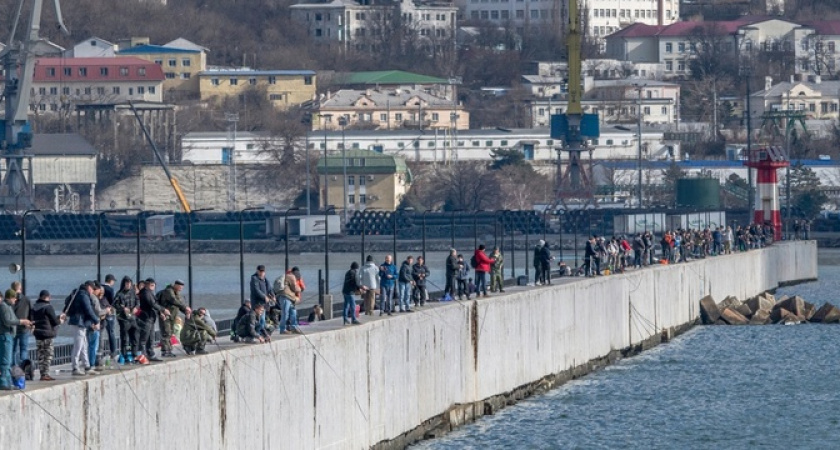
<point x="15" y="131"/>
<point x="574" y="127"/>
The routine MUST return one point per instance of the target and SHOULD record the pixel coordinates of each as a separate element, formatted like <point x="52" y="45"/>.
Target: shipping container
<point x="697" y="221"/>
<point x="160" y="226"/>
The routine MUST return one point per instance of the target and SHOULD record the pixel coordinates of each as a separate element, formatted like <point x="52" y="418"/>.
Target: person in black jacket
<point x="150" y="309"/>
<point x="591" y="257"/>
<point x="348" y="290"/>
<point x="125" y="307"/>
<point x="452" y="268"/>
<point x="46" y="324"/>
<point x="246" y="326"/>
<point x="20" y="346"/>
<point x="419" y="272"/>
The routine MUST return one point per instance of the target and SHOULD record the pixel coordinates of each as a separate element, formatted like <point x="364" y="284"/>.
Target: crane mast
<point x="15" y="131"/>
<point x="573" y="127"/>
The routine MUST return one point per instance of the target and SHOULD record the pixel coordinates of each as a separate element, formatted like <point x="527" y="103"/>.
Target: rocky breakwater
<point x="765" y="309"/>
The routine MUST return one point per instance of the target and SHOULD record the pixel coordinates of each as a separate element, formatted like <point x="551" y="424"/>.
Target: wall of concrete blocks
<point x="353" y="387"/>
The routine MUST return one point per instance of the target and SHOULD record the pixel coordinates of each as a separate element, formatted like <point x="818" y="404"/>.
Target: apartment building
<point x="373" y="180"/>
<point x="362" y="25"/>
<point x="816" y="99"/>
<point x="60" y="83"/>
<point x="284" y="88"/>
<point x="92" y="47"/>
<point x="180" y="65"/>
<point x="388" y="109"/>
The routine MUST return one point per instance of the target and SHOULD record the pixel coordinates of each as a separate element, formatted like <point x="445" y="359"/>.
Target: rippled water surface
<point x="714" y="387"/>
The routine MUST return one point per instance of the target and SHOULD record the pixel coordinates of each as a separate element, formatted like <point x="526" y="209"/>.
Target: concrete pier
<point x="392" y="380"/>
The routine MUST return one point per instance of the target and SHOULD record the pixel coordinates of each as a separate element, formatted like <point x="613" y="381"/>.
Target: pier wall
<point x="386" y="382"/>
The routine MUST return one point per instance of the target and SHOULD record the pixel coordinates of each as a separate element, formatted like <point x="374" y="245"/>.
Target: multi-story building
<point x="363" y="25"/>
<point x="817" y="99"/>
<point x="387" y="109"/>
<point x="92" y="47"/>
<point x="60" y="83"/>
<point x="180" y="65"/>
<point x="603" y="16"/>
<point x="284" y="88"/>
<point x="616" y="101"/>
<point x="370" y="179"/>
<point x="810" y="44"/>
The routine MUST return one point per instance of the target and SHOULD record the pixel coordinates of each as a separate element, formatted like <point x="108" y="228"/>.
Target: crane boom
<point x="574" y="59"/>
<point x="182" y="199"/>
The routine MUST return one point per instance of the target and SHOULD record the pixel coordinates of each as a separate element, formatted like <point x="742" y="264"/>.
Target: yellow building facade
<point x="180" y="66"/>
<point x="374" y="180"/>
<point x="285" y="88"/>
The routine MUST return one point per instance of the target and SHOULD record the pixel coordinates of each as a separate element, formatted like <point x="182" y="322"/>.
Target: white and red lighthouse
<point x="767" y="161"/>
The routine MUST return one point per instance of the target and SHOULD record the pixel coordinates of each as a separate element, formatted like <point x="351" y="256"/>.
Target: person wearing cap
<point x="545" y="263"/>
<point x="150" y="309"/>
<point x="8" y="322"/>
<point x="539" y="277"/>
<point x="81" y="315"/>
<point x="497" y="279"/>
<point x="46" y="323"/>
<point x="171" y="299"/>
<point x="125" y="306"/>
<point x="261" y="292"/>
<point x="369" y="277"/>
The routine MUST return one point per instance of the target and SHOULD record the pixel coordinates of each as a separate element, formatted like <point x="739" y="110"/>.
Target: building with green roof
<point x="374" y="180"/>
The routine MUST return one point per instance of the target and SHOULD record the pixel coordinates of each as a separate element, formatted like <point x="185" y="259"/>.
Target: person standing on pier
<point x="497" y="279"/>
<point x="125" y="306"/>
<point x="463" y="275"/>
<point x="350" y="288"/>
<point x="387" y="282"/>
<point x="20" y="348"/>
<point x="171" y="299"/>
<point x="369" y="278"/>
<point x="545" y="263"/>
<point x="404" y="285"/>
<point x="82" y="316"/>
<point x="420" y="272"/>
<point x="482" y="266"/>
<point x="46" y="323"/>
<point x="451" y="273"/>
<point x="8" y="322"/>
<point x="150" y="310"/>
<point x="537" y="262"/>
<point x="288" y="292"/>
<point x="261" y="292"/>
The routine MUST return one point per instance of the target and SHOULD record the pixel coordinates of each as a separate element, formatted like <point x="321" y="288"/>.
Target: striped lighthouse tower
<point x="766" y="161"/>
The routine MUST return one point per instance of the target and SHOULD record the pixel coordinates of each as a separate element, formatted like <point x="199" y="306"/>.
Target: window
<point x="494" y="15"/>
<point x="488" y="143"/>
<point x="669" y="47"/>
<point x="252" y="81"/>
<point x="100" y="91"/>
<point x="87" y="91"/>
<point x="82" y="71"/>
<point x="535" y="14"/>
<point x="476" y="144"/>
<point x="141" y="71"/>
<point x="123" y="71"/>
<point x="681" y="47"/>
<point x="435" y="117"/>
<point x="646" y="111"/>
<point x="141" y="90"/>
<point x="318" y="32"/>
<point x="361" y="180"/>
<point x="831" y="47"/>
<point x="173" y="63"/>
<point x="680" y="66"/>
<point x="186" y="75"/>
<point x="53" y="91"/>
<point x="159" y="62"/>
<point x="170" y="75"/>
<point x="474" y="15"/>
<point x="351" y="180"/>
<point x="812" y="107"/>
<point x="363" y="199"/>
<point x="68" y="71"/>
<point x="272" y="80"/>
<point x="307" y="80"/>
<point x="214" y="81"/>
<point x="65" y="90"/>
<point x="398" y="117"/>
<point x="275" y="97"/>
<point x="361" y="161"/>
<point x="318" y="17"/>
<point x="664" y="110"/>
<point x="53" y="107"/>
<point x="50" y="71"/>
<point x="103" y="71"/>
<point x="130" y="91"/>
<point x="234" y="81"/>
<point x="505" y="15"/>
<point x="383" y="117"/>
<point x="431" y="144"/>
<point x="186" y="62"/>
<point x="503" y="143"/>
<point x="116" y="90"/>
<point x="520" y="14"/>
<point x="351" y="199"/>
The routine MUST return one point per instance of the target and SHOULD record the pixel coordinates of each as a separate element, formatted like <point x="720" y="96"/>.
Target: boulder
<point x="760" y="303"/>
<point x="793" y="304"/>
<point x="709" y="311"/>
<point x="744" y="310"/>
<point x="808" y="311"/>
<point x="729" y="302"/>
<point x="733" y="317"/>
<point x="780" y="315"/>
<point x="782" y="298"/>
<point x="827" y="313"/>
<point x="761" y="317"/>
<point x="770" y="297"/>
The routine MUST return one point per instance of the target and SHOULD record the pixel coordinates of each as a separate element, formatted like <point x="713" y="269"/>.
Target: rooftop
<point x="389" y="77"/>
<point x="374" y="162"/>
<point x="93" y="72"/>
<point x="256" y="73"/>
<point x="69" y="144"/>
<point x="147" y="49"/>
<point x="347" y="98"/>
<point x="830" y="87"/>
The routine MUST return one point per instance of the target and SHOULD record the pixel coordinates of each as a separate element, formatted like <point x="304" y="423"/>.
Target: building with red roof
<point x="61" y="83"/>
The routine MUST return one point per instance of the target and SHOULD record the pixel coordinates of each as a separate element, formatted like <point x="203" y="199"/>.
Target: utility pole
<point x="639" y="89"/>
<point x="746" y="72"/>
<point x="232" y="119"/>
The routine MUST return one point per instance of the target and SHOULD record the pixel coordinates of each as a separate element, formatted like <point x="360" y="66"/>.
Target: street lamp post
<point x="286" y="230"/>
<point x="308" y="180"/>
<point x="327" y="249"/>
<point x="342" y="121"/>
<point x="394" y="242"/>
<point x="639" y="89"/>
<point x="23" y="249"/>
<point x="242" y="252"/>
<point x="560" y="218"/>
<point x="527" y="245"/>
<point x="139" y="216"/>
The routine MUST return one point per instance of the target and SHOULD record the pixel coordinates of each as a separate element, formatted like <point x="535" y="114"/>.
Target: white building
<point x="604" y="16"/>
<point x="817" y="99"/>
<point x="92" y="47"/>
<point x="430" y="146"/>
<point x="364" y="24"/>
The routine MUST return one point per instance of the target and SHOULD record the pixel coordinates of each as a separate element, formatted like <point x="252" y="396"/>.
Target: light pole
<point x="342" y="121"/>
<point x="327" y="249"/>
<point x="560" y="218"/>
<point x="189" y="252"/>
<point x="327" y="117"/>
<point x="23" y="249"/>
<point x="286" y="229"/>
<point x="308" y="180"/>
<point x="639" y="89"/>
<point x="139" y="217"/>
<point x="527" y="245"/>
<point x="746" y="71"/>
<point x="242" y="252"/>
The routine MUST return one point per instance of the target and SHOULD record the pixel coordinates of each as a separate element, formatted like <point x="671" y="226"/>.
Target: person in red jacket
<point x="482" y="266"/>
